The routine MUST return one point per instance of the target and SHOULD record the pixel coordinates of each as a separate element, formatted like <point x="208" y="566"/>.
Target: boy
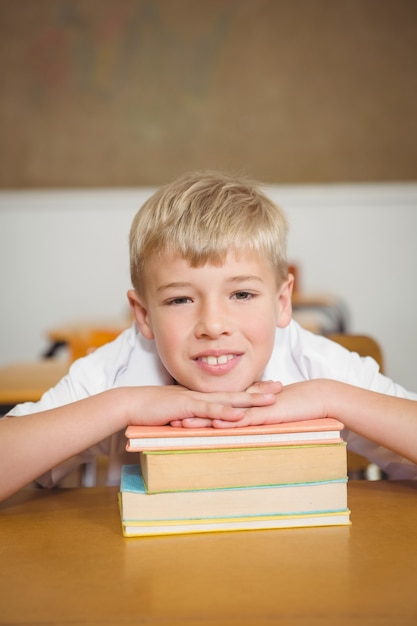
<point x="212" y="303"/>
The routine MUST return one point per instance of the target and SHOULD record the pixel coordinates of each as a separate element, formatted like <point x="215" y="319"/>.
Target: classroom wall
<point x="64" y="256"/>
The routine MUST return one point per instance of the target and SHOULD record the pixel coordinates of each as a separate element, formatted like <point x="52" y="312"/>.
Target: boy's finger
<point x="242" y="399"/>
<point x="196" y="422"/>
<point x="253" y="399"/>
<point x="265" y="386"/>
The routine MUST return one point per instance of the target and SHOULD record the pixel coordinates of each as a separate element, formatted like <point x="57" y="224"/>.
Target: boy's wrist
<point x="329" y="397"/>
<point x="336" y="399"/>
<point x="118" y="404"/>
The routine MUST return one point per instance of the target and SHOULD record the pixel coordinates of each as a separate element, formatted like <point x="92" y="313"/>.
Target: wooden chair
<point x="80" y="342"/>
<point x="83" y="341"/>
<point x="364" y="345"/>
<point x="80" y="337"/>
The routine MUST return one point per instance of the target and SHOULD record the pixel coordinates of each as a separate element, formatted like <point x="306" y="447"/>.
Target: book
<point x="136" y="504"/>
<point x="167" y="437"/>
<point x="180" y="470"/>
<point x="225" y="524"/>
<point x="215" y="480"/>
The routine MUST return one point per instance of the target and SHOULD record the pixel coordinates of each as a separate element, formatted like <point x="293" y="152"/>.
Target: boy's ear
<point x="140" y="312"/>
<point x="285" y="302"/>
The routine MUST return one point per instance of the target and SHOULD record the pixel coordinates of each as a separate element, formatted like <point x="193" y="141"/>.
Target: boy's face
<point x="214" y="326"/>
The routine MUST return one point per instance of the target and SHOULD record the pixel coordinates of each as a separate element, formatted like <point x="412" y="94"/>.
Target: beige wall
<point x="134" y="92"/>
<point x="64" y="257"/>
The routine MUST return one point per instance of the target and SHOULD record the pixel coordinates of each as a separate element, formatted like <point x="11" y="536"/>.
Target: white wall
<point x="64" y="256"/>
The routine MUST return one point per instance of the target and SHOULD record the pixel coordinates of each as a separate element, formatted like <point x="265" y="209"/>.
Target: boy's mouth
<point x="217" y="360"/>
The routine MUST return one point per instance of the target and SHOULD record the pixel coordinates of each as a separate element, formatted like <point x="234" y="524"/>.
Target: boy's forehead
<point x="171" y="269"/>
<point x="232" y="257"/>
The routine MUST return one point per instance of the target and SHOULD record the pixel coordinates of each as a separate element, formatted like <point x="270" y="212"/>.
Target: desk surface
<point x="64" y="561"/>
<point x="23" y="382"/>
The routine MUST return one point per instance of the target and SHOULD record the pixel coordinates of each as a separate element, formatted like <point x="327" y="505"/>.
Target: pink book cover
<point x="324" y="430"/>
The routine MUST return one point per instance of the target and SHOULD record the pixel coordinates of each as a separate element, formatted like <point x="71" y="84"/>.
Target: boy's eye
<point x="243" y="295"/>
<point x="179" y="300"/>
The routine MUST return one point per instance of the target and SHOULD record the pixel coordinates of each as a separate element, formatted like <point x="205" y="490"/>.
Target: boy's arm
<point x="387" y="420"/>
<point x="32" y="444"/>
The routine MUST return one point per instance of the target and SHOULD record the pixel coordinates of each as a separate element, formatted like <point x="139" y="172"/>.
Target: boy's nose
<point x="212" y="322"/>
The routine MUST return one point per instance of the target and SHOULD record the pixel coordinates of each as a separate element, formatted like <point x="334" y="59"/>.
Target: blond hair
<point x="201" y="217"/>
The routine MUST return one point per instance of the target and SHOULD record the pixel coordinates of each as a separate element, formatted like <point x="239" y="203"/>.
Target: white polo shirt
<point x="131" y="360"/>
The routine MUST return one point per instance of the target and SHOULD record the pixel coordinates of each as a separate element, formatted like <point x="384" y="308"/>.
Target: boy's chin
<point x="217" y="386"/>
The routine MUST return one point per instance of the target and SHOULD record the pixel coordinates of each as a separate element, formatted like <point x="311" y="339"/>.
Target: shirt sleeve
<point x="87" y="376"/>
<point x="326" y="359"/>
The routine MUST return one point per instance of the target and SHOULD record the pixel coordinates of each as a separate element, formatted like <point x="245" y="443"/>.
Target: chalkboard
<point x="100" y="93"/>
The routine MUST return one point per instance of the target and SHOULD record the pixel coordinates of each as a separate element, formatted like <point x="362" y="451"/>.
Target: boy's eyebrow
<point x="244" y="278"/>
<point x="232" y="279"/>
<point x="174" y="285"/>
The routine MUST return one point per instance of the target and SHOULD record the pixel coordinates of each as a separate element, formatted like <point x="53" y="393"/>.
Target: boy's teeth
<point x="217" y="360"/>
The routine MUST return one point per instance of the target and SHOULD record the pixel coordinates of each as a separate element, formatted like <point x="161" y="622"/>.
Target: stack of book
<point x="258" y="477"/>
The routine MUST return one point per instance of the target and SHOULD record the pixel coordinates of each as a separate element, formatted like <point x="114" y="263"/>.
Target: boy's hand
<point x="261" y="393"/>
<point x="179" y="406"/>
<point x="299" y="401"/>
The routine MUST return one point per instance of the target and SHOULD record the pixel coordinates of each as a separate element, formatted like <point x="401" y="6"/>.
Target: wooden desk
<point x="64" y="561"/>
<point x="26" y="382"/>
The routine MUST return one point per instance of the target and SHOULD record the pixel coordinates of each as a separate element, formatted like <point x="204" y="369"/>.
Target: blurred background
<point x="103" y="100"/>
